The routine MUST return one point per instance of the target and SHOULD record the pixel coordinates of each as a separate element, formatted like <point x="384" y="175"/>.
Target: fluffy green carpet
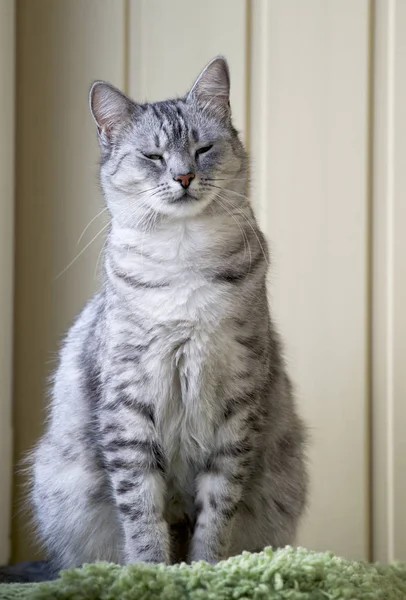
<point x="291" y="574"/>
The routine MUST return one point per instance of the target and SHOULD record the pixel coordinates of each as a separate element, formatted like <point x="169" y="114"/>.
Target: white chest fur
<point x="193" y="341"/>
<point x="186" y="404"/>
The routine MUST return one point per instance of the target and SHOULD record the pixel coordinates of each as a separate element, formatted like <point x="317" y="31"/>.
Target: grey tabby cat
<point x="172" y="432"/>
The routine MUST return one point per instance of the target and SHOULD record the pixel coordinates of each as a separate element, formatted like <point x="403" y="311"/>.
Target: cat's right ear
<point x="111" y="110"/>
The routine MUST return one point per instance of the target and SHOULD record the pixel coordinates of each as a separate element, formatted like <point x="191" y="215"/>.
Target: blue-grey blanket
<point x="26" y="572"/>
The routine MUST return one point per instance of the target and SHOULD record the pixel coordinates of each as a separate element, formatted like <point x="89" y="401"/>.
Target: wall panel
<point x="170" y="42"/>
<point x="62" y="45"/>
<point x="389" y="283"/>
<point x="300" y="77"/>
<point x="309" y="139"/>
<point x="7" y="41"/>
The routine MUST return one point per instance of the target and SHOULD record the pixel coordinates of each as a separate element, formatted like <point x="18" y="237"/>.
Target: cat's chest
<point x="172" y="287"/>
<point x="183" y="365"/>
<point x="187" y="407"/>
<point x="189" y="298"/>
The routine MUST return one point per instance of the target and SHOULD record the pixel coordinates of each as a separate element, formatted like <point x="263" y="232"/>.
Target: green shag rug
<point x="289" y="573"/>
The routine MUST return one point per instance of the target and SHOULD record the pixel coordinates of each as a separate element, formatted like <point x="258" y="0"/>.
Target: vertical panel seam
<point x="247" y="68"/>
<point x="369" y="281"/>
<point x="259" y="99"/>
<point x="14" y="495"/>
<point x="126" y="46"/>
<point x="390" y="275"/>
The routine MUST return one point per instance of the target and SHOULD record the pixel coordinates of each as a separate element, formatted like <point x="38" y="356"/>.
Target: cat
<point x="172" y="432"/>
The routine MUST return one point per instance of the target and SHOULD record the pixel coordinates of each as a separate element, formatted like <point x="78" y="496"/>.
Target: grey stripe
<point x="118" y="165"/>
<point x="127" y="485"/>
<point x="141" y="408"/>
<point x="136" y="283"/>
<point x="235" y="275"/>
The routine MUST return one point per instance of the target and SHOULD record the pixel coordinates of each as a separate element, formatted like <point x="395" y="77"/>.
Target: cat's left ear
<point x="212" y="88"/>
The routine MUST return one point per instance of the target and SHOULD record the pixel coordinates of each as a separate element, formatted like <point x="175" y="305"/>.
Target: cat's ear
<point x="212" y="88"/>
<point x="110" y="108"/>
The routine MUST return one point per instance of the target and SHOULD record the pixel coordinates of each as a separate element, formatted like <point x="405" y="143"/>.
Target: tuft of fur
<point x="172" y="431"/>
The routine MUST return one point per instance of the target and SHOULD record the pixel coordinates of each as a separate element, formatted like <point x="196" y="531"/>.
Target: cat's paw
<point x="148" y="558"/>
<point x="202" y="552"/>
<point x="152" y="553"/>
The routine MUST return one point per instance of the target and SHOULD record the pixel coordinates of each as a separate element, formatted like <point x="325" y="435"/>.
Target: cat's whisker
<point x="230" y="179"/>
<point x="98" y="258"/>
<point x="90" y="222"/>
<point x="82" y="251"/>
<point x="223" y="189"/>
<point x="225" y="199"/>
<point x="151" y="213"/>
<point x="256" y="235"/>
<point x="156" y="187"/>
<point x="86" y="247"/>
<point x="245" y="238"/>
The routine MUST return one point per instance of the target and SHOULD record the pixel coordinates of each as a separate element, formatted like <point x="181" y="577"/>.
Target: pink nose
<point x="185" y="180"/>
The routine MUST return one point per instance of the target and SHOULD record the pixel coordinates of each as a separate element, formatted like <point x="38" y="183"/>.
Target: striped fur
<point x="172" y="431"/>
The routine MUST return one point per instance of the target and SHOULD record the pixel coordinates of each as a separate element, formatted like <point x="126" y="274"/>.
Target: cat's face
<point x="174" y="157"/>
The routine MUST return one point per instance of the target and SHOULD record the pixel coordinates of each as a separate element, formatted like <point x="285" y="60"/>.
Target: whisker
<point x="254" y="296"/>
<point x="87" y="246"/>
<point x="156" y="187"/>
<point x="245" y="238"/>
<point x="90" y="222"/>
<point x="148" y="227"/>
<point x="155" y="193"/>
<point x="254" y="231"/>
<point x="231" y="191"/>
<point x="98" y="258"/>
<point x="106" y="208"/>
<point x="83" y="250"/>
<point x="249" y="223"/>
<point x="223" y="179"/>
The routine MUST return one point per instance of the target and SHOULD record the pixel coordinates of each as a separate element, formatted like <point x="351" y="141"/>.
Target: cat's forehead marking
<point x="195" y="134"/>
<point x="171" y="123"/>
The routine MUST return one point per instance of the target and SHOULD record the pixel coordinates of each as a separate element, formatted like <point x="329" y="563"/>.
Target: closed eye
<point x="204" y="149"/>
<point x="153" y="156"/>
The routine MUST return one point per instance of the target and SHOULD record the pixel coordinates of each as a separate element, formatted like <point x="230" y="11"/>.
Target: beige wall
<point x="389" y="282"/>
<point x="61" y="47"/>
<point x="169" y="71"/>
<point x="6" y="264"/>
<point x="317" y="89"/>
<point x="310" y="158"/>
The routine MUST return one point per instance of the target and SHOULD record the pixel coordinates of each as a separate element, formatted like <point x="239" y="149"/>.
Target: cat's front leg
<point x="136" y="467"/>
<point x="219" y="490"/>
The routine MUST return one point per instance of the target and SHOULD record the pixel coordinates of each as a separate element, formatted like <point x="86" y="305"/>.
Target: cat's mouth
<point x="185" y="197"/>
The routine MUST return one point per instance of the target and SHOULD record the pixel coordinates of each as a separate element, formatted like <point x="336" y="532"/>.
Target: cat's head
<point x="174" y="157"/>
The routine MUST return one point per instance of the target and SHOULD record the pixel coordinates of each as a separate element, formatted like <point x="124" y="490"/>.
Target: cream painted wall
<point x="160" y="68"/>
<point x="61" y="47"/>
<point x="389" y="283"/>
<point x="301" y="93"/>
<point x="6" y="265"/>
<point x="309" y="140"/>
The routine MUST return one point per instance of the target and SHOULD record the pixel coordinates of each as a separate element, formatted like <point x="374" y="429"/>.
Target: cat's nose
<point x="185" y="180"/>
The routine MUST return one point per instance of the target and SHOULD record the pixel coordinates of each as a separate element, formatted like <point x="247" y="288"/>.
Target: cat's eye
<point x="153" y="156"/>
<point x="204" y="149"/>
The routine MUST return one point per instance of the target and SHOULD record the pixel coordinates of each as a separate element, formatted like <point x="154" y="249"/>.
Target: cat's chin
<point x="189" y="207"/>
